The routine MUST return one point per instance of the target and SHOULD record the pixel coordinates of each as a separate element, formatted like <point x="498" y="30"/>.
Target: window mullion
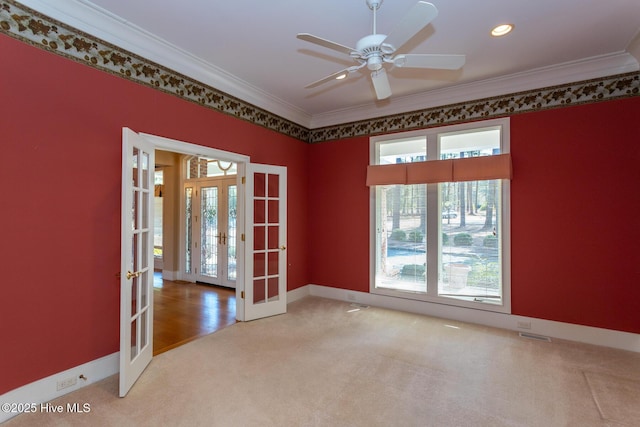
<point x="433" y="231"/>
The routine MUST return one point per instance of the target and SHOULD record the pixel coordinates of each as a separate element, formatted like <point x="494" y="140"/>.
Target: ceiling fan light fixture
<point x="341" y="76"/>
<point x="501" y="30"/>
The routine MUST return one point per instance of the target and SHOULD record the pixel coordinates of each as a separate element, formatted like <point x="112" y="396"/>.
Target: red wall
<point x="339" y="214"/>
<point x="574" y="214"/>
<point x="60" y="128"/>
<point x="574" y="203"/>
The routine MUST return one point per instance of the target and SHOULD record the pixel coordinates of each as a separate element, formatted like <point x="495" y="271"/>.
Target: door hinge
<point x="242" y="294"/>
<point x="242" y="237"/>
<point x="244" y="179"/>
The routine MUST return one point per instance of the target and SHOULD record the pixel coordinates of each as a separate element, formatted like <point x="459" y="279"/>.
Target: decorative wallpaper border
<point x="31" y="27"/>
<point x="602" y="89"/>
<point x="27" y="25"/>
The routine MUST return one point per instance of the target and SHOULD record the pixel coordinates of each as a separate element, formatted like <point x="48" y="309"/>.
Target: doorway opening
<point x="262" y="262"/>
<point x="195" y="231"/>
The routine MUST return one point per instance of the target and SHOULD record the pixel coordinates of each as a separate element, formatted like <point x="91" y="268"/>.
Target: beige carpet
<point x="323" y="364"/>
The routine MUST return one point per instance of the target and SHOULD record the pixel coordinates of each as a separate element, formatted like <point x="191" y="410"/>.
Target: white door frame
<point x="167" y="144"/>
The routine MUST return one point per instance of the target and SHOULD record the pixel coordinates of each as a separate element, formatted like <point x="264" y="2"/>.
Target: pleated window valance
<point x="434" y="171"/>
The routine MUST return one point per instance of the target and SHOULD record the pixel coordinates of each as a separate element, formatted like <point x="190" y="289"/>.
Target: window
<point x="440" y="221"/>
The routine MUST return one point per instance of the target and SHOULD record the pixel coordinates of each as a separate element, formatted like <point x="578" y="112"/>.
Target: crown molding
<point x="98" y="22"/>
<point x="592" y="68"/>
<point x="597" y="79"/>
<point x="91" y="19"/>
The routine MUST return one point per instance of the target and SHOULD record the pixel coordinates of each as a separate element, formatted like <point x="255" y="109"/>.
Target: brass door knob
<point x="131" y="275"/>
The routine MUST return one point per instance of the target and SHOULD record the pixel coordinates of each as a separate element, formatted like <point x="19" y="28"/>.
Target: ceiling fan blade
<point x="417" y="18"/>
<point x="325" y="43"/>
<point x="335" y="75"/>
<point x="443" y="62"/>
<point x="381" y="83"/>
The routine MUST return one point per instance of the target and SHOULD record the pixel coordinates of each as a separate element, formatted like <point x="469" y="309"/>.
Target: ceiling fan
<point x="374" y="50"/>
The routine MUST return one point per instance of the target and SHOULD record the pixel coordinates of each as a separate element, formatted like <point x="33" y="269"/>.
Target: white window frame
<point x="432" y="227"/>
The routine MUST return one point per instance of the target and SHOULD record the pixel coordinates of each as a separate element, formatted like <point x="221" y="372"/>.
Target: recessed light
<point x="501" y="30"/>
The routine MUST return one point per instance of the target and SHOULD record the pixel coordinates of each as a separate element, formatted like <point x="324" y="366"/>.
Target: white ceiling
<point x="249" y="49"/>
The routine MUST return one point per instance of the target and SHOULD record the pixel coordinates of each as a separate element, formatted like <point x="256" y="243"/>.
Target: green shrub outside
<point x="445" y="239"/>
<point x="463" y="239"/>
<point x="415" y="236"/>
<point x="413" y="270"/>
<point x="398" y="234"/>
<point x="490" y="241"/>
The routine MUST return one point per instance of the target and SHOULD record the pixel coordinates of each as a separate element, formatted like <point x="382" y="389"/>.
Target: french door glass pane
<point x="145" y="170"/>
<point x="134" y="338"/>
<point x="134" y="296"/>
<point x="209" y="233"/>
<point x="134" y="174"/>
<point x="272" y="289"/>
<point x="259" y="291"/>
<point x="188" y="196"/>
<point x="143" y="329"/>
<point x="232" y="231"/>
<point x="401" y="251"/>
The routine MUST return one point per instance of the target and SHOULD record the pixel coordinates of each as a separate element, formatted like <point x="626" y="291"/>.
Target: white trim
<point x="298" y="293"/>
<point x="585" y="69"/>
<point x="173" y="145"/>
<point x="44" y="390"/>
<point x="94" y="20"/>
<point x="566" y="331"/>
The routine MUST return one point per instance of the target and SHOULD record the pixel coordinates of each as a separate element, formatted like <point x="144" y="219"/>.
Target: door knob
<point x="130" y="275"/>
<point x="283" y="247"/>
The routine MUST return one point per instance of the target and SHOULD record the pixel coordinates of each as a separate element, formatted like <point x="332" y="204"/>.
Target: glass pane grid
<point x="266" y="275"/>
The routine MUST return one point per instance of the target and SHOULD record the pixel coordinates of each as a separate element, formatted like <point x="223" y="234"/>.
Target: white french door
<point x="261" y="244"/>
<point x="265" y="249"/>
<point x="136" y="271"/>
<point x="211" y="212"/>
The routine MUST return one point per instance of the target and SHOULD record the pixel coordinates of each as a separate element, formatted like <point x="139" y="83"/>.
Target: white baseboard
<point x="298" y="293"/>
<point x="566" y="331"/>
<point x="45" y="389"/>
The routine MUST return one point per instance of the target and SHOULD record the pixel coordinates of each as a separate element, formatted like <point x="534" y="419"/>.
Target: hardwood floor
<point x="184" y="311"/>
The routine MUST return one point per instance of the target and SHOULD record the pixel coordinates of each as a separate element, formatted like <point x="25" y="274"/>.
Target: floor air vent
<point x="356" y="305"/>
<point x="534" y="337"/>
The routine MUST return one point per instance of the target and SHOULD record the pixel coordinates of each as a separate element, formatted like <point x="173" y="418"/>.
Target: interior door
<point x="136" y="278"/>
<point x="265" y="248"/>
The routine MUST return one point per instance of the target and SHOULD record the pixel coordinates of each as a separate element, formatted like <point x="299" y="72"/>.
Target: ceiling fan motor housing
<point x="370" y="51"/>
